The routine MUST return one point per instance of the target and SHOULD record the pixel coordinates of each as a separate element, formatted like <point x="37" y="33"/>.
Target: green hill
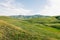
<point x="11" y="32"/>
<point x="40" y="28"/>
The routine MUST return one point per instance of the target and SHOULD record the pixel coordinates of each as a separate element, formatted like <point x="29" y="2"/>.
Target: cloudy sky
<point x="30" y="7"/>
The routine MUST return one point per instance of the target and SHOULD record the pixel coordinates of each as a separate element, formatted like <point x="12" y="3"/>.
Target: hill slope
<point x="11" y="32"/>
<point x="31" y="29"/>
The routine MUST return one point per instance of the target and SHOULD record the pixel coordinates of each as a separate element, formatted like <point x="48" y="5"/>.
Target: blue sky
<point x="32" y="4"/>
<point x="30" y="7"/>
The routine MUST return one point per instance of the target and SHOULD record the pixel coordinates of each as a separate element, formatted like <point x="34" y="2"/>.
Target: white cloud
<point x="8" y="8"/>
<point x="52" y="8"/>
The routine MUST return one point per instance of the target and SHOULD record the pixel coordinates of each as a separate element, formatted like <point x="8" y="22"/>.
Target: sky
<point x="29" y="7"/>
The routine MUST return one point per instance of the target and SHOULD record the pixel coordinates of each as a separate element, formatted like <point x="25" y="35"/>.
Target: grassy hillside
<point x="11" y="32"/>
<point x="46" y="28"/>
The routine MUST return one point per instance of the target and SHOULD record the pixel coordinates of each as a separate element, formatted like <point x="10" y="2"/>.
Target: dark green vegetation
<point x="32" y="28"/>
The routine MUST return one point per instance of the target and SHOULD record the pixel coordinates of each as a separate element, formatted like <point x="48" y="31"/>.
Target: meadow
<point x="36" y="28"/>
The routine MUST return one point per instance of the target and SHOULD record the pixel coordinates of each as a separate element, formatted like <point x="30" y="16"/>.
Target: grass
<point x="31" y="29"/>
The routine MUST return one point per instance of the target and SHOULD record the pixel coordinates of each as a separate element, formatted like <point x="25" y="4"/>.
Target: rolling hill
<point x="35" y="28"/>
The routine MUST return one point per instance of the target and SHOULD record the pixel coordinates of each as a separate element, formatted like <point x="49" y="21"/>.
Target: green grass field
<point x="29" y="29"/>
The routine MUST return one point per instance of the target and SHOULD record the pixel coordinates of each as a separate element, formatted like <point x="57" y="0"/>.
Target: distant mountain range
<point x="27" y="17"/>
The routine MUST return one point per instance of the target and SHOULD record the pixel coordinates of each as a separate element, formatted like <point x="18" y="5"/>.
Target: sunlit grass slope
<point x="11" y="32"/>
<point x="29" y="29"/>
